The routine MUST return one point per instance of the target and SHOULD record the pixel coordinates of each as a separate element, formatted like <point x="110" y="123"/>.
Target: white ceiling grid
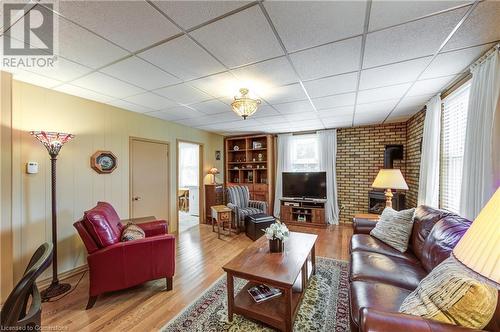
<point x="314" y="64"/>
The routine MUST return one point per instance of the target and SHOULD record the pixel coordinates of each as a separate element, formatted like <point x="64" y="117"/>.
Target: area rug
<point x="325" y="306"/>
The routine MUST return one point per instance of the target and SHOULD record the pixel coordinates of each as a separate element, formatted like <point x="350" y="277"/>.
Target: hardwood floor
<point x="200" y="256"/>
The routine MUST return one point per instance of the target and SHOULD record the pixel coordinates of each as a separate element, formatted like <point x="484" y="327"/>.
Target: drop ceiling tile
<point x="430" y="86"/>
<point x="213" y="106"/>
<point x="151" y="100"/>
<point x="332" y="85"/>
<point x="344" y="111"/>
<point x="388" y="13"/>
<point x="398" y="73"/>
<point x="183" y="93"/>
<point x="340" y="123"/>
<point x="410" y="40"/>
<point x="183" y="58"/>
<point x="83" y="93"/>
<point x="303" y="24"/>
<point x="63" y="70"/>
<point x="302" y="116"/>
<point x="32" y="78"/>
<point x="129" y="106"/>
<point x="480" y="28"/>
<point x="165" y="115"/>
<point x="131" y="24"/>
<point x="189" y="14"/>
<point x="140" y="73"/>
<point x="285" y="94"/>
<point x="108" y="85"/>
<point x="385" y="93"/>
<point x="410" y="105"/>
<point x="84" y="47"/>
<point x="218" y="85"/>
<point x="16" y="15"/>
<point x="265" y="111"/>
<point x="177" y="113"/>
<point x="240" y="38"/>
<point x="303" y="106"/>
<point x="380" y="107"/>
<point x="262" y="75"/>
<point x="452" y="63"/>
<point x="329" y="102"/>
<point x="368" y="119"/>
<point x="273" y="120"/>
<point x="331" y="59"/>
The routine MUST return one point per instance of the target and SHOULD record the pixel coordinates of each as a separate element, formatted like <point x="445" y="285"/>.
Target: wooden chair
<point x="15" y="315"/>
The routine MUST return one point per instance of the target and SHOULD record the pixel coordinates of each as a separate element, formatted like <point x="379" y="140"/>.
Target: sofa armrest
<point x="363" y="226"/>
<point x="152" y="228"/>
<point x="378" y="321"/>
<point x="261" y="205"/>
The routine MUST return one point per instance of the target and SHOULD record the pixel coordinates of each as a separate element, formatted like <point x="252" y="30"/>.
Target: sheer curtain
<point x="188" y="165"/>
<point x="327" y="156"/>
<point x="428" y="184"/>
<point x="283" y="164"/>
<point x="482" y="141"/>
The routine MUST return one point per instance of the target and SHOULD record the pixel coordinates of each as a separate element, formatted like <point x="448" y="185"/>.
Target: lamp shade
<point x="479" y="248"/>
<point x="53" y="141"/>
<point x="213" y="171"/>
<point x="390" y="178"/>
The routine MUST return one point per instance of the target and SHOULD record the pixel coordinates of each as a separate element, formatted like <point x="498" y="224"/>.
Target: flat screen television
<point x="304" y="184"/>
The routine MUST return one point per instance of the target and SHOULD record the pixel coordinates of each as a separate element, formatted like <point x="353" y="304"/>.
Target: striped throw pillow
<point x="394" y="228"/>
<point x="452" y="294"/>
<point x="132" y="232"/>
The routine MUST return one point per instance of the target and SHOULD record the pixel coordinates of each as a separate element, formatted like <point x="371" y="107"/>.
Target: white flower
<point x="277" y="231"/>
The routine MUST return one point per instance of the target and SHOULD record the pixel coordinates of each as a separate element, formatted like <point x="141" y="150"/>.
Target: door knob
<point x="136" y="198"/>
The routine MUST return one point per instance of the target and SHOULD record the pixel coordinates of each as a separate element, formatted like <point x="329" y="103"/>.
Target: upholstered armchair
<point x="115" y="265"/>
<point x="238" y="198"/>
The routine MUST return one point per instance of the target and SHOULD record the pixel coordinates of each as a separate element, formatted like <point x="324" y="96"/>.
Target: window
<point x="304" y="153"/>
<point x="453" y="126"/>
<point x="188" y="164"/>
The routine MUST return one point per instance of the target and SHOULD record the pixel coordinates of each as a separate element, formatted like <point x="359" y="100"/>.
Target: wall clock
<point x="103" y="162"/>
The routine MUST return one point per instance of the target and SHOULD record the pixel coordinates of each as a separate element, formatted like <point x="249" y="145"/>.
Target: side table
<point x="221" y="214"/>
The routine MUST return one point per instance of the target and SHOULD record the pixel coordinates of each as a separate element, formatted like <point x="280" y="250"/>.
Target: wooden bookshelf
<point x="249" y="161"/>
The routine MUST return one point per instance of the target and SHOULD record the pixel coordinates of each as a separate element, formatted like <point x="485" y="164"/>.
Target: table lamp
<point x="479" y="248"/>
<point x="213" y="171"/>
<point x="53" y="141"/>
<point x="388" y="179"/>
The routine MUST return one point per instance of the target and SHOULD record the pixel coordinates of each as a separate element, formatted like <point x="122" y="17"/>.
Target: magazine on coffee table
<point x="261" y="293"/>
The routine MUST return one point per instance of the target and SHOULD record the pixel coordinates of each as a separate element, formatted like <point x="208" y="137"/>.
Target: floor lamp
<point x="53" y="141"/>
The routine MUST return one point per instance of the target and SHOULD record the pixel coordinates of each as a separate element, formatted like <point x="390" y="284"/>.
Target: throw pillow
<point x="394" y="228"/>
<point x="450" y="293"/>
<point x="132" y="232"/>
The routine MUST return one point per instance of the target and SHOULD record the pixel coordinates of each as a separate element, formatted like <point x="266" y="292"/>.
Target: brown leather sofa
<point x="381" y="277"/>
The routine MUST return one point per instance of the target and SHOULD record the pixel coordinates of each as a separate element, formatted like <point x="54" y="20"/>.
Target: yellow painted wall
<point x="97" y="126"/>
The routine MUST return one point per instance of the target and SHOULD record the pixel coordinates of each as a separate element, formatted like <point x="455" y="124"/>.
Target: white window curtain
<point x="188" y="165"/>
<point x="327" y="157"/>
<point x="428" y="184"/>
<point x="482" y="143"/>
<point x="284" y="164"/>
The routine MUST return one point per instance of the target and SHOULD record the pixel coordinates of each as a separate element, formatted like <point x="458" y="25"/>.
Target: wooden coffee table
<point x="289" y="271"/>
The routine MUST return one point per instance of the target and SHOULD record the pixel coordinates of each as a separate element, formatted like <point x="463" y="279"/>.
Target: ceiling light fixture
<point x="243" y="105"/>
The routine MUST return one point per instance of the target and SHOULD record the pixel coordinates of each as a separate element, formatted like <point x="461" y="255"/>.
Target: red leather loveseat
<point x="381" y="277"/>
<point x="115" y="265"/>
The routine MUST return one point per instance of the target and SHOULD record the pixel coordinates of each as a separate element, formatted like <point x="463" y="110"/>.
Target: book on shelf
<point x="261" y="293"/>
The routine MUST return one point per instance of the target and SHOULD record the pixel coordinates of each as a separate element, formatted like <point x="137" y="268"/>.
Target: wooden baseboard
<point x="65" y="275"/>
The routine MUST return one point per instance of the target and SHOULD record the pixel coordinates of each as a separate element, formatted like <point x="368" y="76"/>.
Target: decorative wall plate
<point x="103" y="162"/>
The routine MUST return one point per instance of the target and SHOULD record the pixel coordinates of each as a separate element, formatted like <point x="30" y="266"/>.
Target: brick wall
<point x="414" y="133"/>
<point x="360" y="154"/>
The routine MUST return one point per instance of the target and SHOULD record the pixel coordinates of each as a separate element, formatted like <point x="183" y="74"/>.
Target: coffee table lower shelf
<point x="272" y="311"/>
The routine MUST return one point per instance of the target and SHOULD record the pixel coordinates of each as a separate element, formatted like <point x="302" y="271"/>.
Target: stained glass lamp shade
<point x="53" y="141"/>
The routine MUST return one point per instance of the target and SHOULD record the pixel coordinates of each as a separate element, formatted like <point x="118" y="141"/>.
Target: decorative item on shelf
<point x="213" y="171"/>
<point x="253" y="159"/>
<point x="389" y="178"/>
<point x="277" y="234"/>
<point x="236" y="148"/>
<point x="256" y="145"/>
<point x="301" y="218"/>
<point x="478" y="249"/>
<point x="53" y="141"/>
<point x="260" y="156"/>
<point x="217" y="155"/>
<point x="236" y="168"/>
<point x="103" y="162"/>
<point x="243" y="105"/>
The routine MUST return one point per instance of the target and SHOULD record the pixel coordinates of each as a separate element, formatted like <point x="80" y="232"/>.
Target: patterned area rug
<point x="325" y="306"/>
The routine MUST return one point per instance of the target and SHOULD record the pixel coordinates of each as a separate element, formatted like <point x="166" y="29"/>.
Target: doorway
<point x="149" y="179"/>
<point x="189" y="184"/>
